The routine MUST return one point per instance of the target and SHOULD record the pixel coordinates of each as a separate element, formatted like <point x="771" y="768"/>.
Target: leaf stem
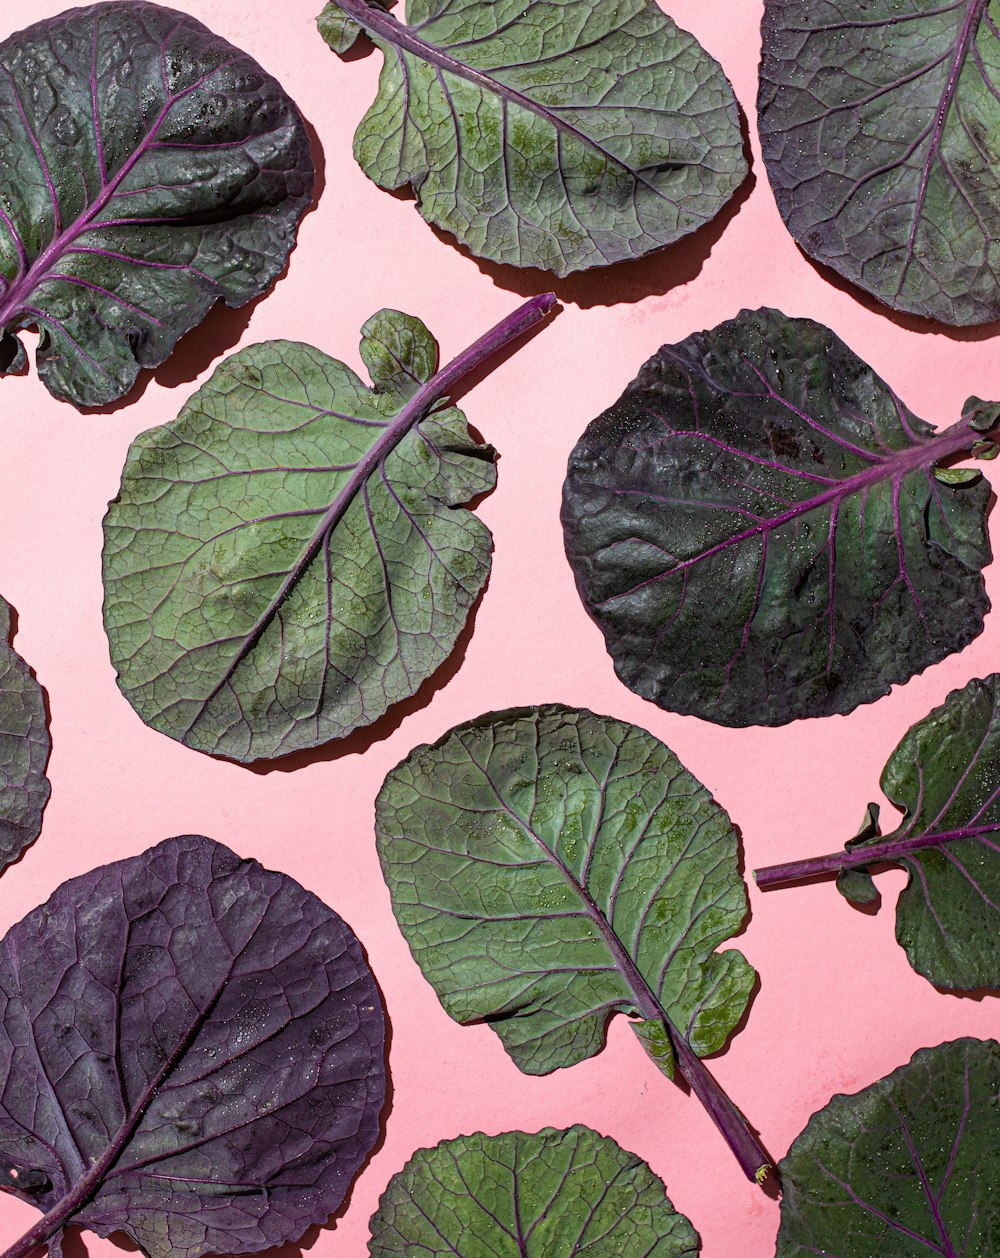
<point x="749" y="1152"/>
<point x="497" y="338"/>
<point x="890" y="849"/>
<point x="746" y="1148"/>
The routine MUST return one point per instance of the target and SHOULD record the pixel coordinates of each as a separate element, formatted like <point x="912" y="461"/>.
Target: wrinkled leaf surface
<point x="549" y="867"/>
<point x="560" y="135"/>
<point x="24" y="750"/>
<point x="274" y="577"/>
<point x="878" y="121"/>
<point x="758" y="530"/>
<point x="148" y="169"/>
<point x="192" y="1050"/>
<point x="909" y="1167"/>
<point x="529" y="1196"/>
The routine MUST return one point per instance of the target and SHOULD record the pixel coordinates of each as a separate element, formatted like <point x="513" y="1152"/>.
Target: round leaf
<point x="286" y="559"/>
<point x="908" y="1167"/>
<point x="757" y="528"/>
<point x="549" y="867"/>
<point x="560" y="134"/>
<point x="192" y="1054"/>
<point x="529" y="1196"/>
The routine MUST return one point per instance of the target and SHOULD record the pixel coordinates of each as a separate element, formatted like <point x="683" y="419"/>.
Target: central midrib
<point x="419" y="405"/>
<point x="400" y="36"/>
<point x="648" y="1004"/>
<point x="50" y="255"/>
<point x="90" y="1183"/>
<point x="953" y="440"/>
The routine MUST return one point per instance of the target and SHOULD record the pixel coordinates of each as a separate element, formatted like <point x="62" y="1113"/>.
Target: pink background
<point x="838" y="1004"/>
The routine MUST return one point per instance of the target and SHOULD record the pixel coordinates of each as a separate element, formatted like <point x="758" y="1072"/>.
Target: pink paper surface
<point x="838" y="1004"/>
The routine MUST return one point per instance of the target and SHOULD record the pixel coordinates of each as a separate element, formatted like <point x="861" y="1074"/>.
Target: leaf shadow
<point x="812" y="880"/>
<point x="977" y="994"/>
<point x="920" y="324"/>
<point x="652" y="275"/>
<point x="357" y="743"/>
<point x="223" y="326"/>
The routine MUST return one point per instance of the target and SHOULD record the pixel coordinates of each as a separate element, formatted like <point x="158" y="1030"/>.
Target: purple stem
<point x="749" y="1152"/>
<point x="747" y="1149"/>
<point x="439" y="386"/>
<point x="862" y="857"/>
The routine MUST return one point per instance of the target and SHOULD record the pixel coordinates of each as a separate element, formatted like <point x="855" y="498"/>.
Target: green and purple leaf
<point x="192" y="1054"/>
<point x="560" y="134"/>
<point x="520" y="1195"/>
<point x="149" y="169"/>
<point x="762" y="530"/>
<point x="878" y="122"/>
<point x="289" y="557"/>
<point x="945" y="778"/>
<point x="24" y="750"/>
<point x="909" y="1167"/>
<point x="550" y="868"/>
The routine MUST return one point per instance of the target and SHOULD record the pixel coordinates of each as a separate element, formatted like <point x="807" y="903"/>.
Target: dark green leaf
<point x="148" y="169"/>
<point x="548" y="868"/>
<point x="560" y="134"/>
<point x="879" y="125"/>
<point x="757" y="527"/>
<point x="286" y="559"/>
<point x="24" y="750"/>
<point x="858" y="886"/>
<point x="550" y="1195"/>
<point x="907" y="1168"/>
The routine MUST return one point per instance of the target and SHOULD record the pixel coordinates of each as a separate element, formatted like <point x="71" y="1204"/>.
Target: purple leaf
<point x="192" y="1049"/>
<point x="878" y="125"/>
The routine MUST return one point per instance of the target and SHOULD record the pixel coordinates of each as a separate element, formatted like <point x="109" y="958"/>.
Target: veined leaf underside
<point x="877" y="126"/>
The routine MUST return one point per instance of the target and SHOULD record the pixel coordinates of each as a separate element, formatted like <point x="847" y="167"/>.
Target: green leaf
<point x="339" y="31"/>
<point x="548" y="868"/>
<point x="957" y="475"/>
<point x="906" y="1168"/>
<point x="287" y="558"/>
<point x="858" y="886"/>
<point x="945" y="777"/>
<point x="529" y="1196"/>
<point x="757" y="528"/>
<point x="24" y="750"/>
<point x="878" y="123"/>
<point x="147" y="169"/>
<point x="560" y="134"/>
